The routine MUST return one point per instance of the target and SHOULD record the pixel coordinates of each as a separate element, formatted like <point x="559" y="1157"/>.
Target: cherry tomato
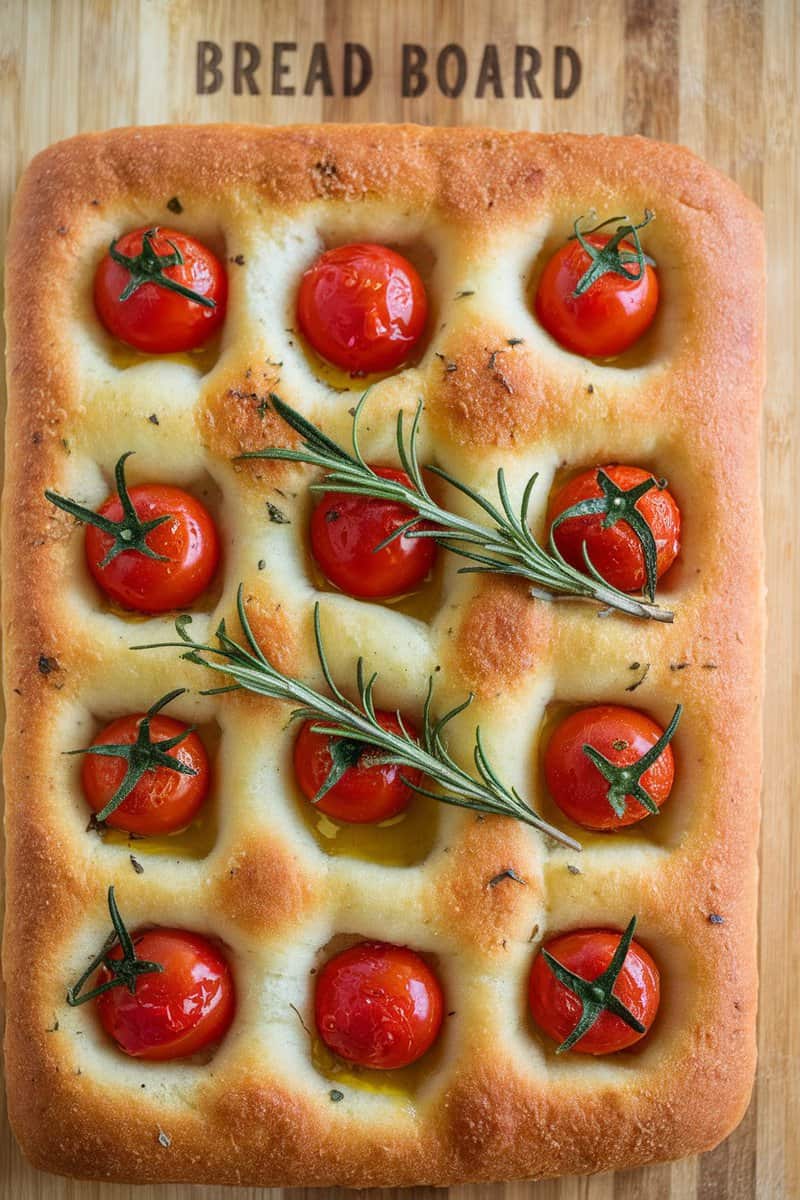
<point x="587" y="953"/>
<point x="609" y="316"/>
<point x="623" y="736"/>
<point x="365" y="793"/>
<point x="616" y="552"/>
<point x="163" y="801"/>
<point x="362" y="307"/>
<point x="176" y="1012"/>
<point x="345" y="531"/>
<point x="378" y="1005"/>
<point x="153" y="318"/>
<point x="189" y="541"/>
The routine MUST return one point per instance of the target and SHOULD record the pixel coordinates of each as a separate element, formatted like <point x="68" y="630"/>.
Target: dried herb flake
<point x="276" y="515"/>
<point x="509" y="873"/>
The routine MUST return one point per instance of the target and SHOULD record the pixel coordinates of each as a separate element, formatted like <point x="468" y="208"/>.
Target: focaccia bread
<point x="477" y="211"/>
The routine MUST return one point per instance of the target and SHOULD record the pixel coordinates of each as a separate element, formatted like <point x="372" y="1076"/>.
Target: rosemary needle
<point x="338" y="717"/>
<point x="505" y="547"/>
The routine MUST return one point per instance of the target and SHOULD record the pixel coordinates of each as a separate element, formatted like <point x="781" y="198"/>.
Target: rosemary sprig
<point x="149" y="267"/>
<point x="596" y="995"/>
<point x="609" y="258"/>
<point x="128" y="534"/>
<point x="124" y="971"/>
<point x="626" y="781"/>
<point x="142" y="756"/>
<point x="506" y="547"/>
<point x="337" y="717"/>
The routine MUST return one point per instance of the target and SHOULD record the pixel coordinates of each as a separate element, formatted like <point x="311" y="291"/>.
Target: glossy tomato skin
<point x="616" y="552"/>
<point x="587" y="953"/>
<point x="609" y="316"/>
<point x="163" y="801"/>
<point x="362" y="307"/>
<point x="154" y="319"/>
<point x="178" y="1011"/>
<point x="623" y="736"/>
<point x="345" y="531"/>
<point x="364" y="794"/>
<point x="378" y="1005"/>
<point x="190" y="542"/>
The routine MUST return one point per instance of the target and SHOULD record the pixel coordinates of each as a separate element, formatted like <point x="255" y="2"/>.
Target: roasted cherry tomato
<point x="609" y="316"/>
<point x="175" y="1012"/>
<point x="188" y="541"/>
<point x="378" y="1005"/>
<point x="587" y="953"/>
<point x="163" y="800"/>
<point x="616" y="551"/>
<point x="135" y="296"/>
<point x="362" y="307"/>
<point x="364" y="793"/>
<point x="623" y="736"/>
<point x="345" y="531"/>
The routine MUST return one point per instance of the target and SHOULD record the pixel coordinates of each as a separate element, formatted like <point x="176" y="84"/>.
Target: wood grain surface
<point x="720" y="76"/>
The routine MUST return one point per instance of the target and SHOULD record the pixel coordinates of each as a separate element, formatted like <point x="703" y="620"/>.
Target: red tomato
<point x="176" y="1012"/>
<point x="616" y="552"/>
<point x="163" y="801"/>
<point x="153" y="318"/>
<point x="587" y="953"/>
<point x="364" y="793"/>
<point x="609" y="316"/>
<point x="623" y="736"/>
<point x="362" y="307"/>
<point x="378" y="1005"/>
<point x="345" y="531"/>
<point x="189" y="541"/>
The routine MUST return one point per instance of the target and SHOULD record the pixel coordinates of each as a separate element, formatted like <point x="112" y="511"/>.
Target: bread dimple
<point x="496" y="1102"/>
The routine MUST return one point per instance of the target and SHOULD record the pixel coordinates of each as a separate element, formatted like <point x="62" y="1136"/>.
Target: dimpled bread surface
<point x="478" y="212"/>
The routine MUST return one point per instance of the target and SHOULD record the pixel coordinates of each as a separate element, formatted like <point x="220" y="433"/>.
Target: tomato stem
<point x="142" y="756"/>
<point x="609" y="259"/>
<point x="124" y="971"/>
<point x="345" y="754"/>
<point x="128" y="534"/>
<point x="626" y="781"/>
<point x="149" y="267"/>
<point x="596" y="995"/>
<point x="619" y="504"/>
<point x="505" y="547"/>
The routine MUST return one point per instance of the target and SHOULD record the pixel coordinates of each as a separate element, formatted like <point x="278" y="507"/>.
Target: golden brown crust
<point x="495" y="1103"/>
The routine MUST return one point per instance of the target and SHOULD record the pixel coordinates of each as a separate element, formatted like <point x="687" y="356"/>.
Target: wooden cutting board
<point x="720" y="76"/>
